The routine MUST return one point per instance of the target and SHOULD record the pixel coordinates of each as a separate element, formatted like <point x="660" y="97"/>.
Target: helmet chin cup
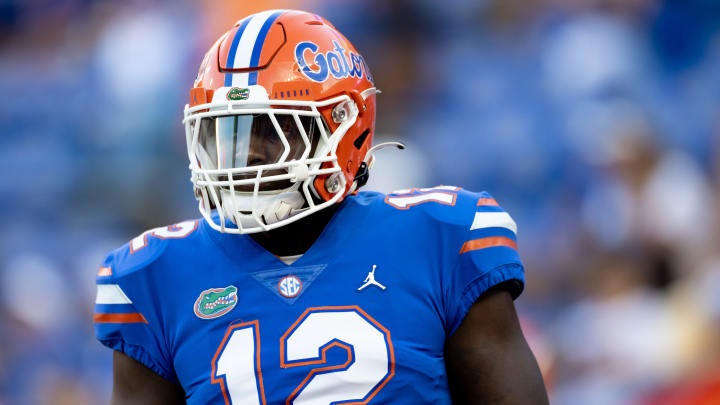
<point x="282" y="206"/>
<point x="248" y="212"/>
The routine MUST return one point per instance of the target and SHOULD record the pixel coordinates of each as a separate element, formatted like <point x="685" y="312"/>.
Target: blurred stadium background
<point x="594" y="122"/>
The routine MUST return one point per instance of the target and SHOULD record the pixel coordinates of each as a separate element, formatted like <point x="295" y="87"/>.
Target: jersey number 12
<point x="370" y="358"/>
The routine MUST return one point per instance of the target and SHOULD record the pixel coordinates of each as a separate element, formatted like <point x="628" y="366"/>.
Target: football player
<point x="293" y="287"/>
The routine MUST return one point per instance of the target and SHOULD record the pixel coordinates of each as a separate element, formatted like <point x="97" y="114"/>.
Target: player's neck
<point x="297" y="237"/>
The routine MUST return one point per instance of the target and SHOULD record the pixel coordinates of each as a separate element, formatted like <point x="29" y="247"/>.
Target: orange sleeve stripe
<point x="135" y="317"/>
<point x="104" y="272"/>
<point x="487" y="201"/>
<point x="483" y="243"/>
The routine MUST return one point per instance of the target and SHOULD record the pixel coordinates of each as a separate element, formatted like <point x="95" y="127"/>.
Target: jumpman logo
<point x="370" y="280"/>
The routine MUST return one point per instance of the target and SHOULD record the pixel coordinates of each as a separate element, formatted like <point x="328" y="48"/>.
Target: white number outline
<point x="404" y="199"/>
<point x="178" y="231"/>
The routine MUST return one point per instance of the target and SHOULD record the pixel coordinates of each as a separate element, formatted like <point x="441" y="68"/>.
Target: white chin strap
<point x="268" y="209"/>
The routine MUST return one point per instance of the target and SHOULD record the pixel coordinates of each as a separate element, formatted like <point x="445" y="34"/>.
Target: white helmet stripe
<point x="243" y="54"/>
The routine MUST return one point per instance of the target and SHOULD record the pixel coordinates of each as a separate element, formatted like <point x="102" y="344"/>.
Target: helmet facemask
<point x="256" y="160"/>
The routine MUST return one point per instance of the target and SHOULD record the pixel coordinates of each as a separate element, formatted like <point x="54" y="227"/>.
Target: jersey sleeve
<point x="486" y="256"/>
<point x="125" y="315"/>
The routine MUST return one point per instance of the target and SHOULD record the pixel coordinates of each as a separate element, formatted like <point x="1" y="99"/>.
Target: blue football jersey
<point x="361" y="317"/>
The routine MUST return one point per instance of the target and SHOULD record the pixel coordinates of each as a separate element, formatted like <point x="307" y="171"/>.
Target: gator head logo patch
<point x="237" y="94"/>
<point x="216" y="302"/>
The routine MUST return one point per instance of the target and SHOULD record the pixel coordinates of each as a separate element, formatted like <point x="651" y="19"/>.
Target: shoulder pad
<point x="144" y="249"/>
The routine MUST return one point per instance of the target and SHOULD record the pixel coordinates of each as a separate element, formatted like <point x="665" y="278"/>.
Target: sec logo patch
<point x="289" y="286"/>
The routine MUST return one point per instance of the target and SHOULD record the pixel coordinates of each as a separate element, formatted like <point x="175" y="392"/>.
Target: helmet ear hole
<point x="360" y="140"/>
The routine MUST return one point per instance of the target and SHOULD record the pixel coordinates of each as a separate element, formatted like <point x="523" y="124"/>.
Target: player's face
<point x="236" y="141"/>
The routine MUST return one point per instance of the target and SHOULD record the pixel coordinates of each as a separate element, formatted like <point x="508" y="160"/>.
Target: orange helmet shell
<point x="295" y="55"/>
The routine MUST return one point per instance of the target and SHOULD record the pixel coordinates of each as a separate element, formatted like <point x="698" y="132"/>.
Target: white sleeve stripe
<point x="111" y="294"/>
<point x="493" y="220"/>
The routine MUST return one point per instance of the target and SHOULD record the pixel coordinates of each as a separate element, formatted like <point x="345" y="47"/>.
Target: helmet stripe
<point x="255" y="58"/>
<point x="233" y="50"/>
<point x="252" y="31"/>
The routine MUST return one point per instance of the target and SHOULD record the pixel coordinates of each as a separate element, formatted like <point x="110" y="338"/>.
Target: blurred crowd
<point x="595" y="123"/>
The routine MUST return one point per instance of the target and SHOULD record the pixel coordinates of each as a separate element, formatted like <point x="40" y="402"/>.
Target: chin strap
<point x="370" y="155"/>
<point x="363" y="173"/>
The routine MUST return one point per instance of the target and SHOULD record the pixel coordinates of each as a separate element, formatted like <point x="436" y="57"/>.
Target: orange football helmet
<point x="280" y="122"/>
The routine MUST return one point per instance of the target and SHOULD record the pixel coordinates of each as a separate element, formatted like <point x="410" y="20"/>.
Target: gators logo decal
<point x="236" y="94"/>
<point x="339" y="63"/>
<point x="215" y="302"/>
